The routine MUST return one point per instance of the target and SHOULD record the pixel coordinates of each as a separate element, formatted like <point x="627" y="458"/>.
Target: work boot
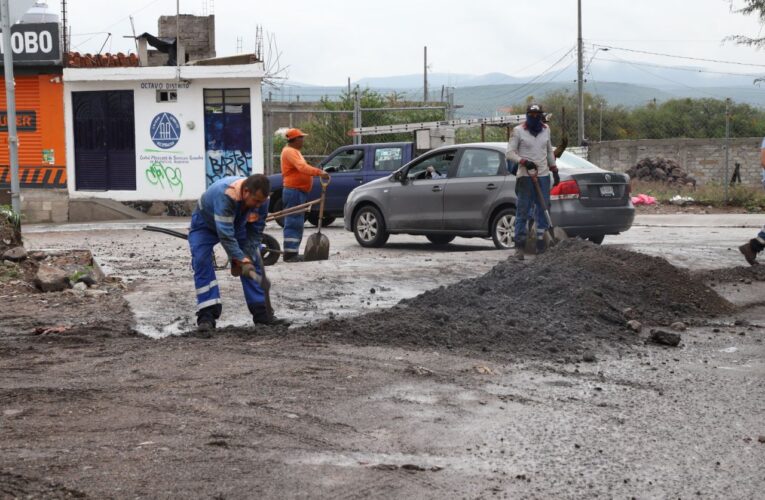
<point x="205" y="328"/>
<point x="293" y="257"/>
<point x="541" y="245"/>
<point x="261" y="316"/>
<point x="519" y="250"/>
<point x="750" y="251"/>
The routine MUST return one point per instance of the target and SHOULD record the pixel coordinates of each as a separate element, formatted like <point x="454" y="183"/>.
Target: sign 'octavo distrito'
<point x="34" y="44"/>
<point x="165" y="85"/>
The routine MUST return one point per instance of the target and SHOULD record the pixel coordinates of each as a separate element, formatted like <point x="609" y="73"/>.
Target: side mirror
<point x="399" y="176"/>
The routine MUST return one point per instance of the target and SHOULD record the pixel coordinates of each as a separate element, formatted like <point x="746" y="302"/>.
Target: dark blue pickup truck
<point x="350" y="167"/>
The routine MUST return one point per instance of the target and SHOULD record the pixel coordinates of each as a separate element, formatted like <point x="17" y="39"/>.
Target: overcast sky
<point x="325" y="41"/>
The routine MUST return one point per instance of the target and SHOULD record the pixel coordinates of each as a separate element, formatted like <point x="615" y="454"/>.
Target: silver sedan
<point x="466" y="190"/>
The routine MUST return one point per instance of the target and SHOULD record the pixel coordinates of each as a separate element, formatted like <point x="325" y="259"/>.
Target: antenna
<point x="259" y="42"/>
<point x="239" y="45"/>
<point x="132" y="26"/>
<point x="63" y="26"/>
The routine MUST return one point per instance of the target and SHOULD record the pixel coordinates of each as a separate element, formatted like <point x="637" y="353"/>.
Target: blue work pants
<point x="293" y="224"/>
<point x="527" y="203"/>
<point x="201" y="241"/>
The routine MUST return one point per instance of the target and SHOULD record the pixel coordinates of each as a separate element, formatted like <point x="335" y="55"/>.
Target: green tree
<point x="329" y="131"/>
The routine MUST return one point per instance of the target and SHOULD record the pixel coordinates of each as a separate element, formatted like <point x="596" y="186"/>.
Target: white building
<point x="162" y="132"/>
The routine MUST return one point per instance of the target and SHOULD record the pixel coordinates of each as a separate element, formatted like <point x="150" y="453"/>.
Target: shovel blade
<point x="317" y="247"/>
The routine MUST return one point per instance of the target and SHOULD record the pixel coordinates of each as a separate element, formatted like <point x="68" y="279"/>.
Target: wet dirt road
<point x="259" y="415"/>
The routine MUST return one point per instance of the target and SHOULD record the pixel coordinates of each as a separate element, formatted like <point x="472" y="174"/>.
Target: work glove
<point x="556" y="175"/>
<point x="248" y="270"/>
<point x="238" y="267"/>
<point x="531" y="167"/>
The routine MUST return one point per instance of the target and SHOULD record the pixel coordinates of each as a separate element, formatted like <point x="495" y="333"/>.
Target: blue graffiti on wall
<point x="221" y="164"/>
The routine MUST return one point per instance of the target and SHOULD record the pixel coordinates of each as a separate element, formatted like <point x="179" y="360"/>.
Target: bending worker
<point x="531" y="149"/>
<point x="297" y="176"/>
<point x="231" y="212"/>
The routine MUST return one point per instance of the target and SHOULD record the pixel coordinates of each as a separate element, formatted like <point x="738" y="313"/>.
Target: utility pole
<point x="580" y="74"/>
<point x="425" y="81"/>
<point x="727" y="146"/>
<point x="10" y="97"/>
<point x="357" y="114"/>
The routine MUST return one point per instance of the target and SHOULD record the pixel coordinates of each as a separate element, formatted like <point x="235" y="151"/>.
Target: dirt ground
<point x="452" y="393"/>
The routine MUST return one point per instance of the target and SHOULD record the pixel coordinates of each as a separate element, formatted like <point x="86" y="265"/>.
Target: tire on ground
<point x="503" y="228"/>
<point x="270" y="243"/>
<point x="369" y="227"/>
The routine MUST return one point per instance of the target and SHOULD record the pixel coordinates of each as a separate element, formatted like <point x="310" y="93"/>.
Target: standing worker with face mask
<point x="531" y="149"/>
<point x="298" y="179"/>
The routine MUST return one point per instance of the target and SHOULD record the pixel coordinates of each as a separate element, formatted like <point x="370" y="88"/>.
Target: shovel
<point x="317" y="245"/>
<point x="557" y="234"/>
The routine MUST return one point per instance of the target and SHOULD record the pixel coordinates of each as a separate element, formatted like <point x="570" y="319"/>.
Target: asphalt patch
<point x="574" y="299"/>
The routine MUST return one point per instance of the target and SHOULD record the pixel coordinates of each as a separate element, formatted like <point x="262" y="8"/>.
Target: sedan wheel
<point x="503" y="229"/>
<point x="369" y="227"/>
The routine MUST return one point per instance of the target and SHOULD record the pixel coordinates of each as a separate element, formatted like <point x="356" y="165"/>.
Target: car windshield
<point x="571" y="160"/>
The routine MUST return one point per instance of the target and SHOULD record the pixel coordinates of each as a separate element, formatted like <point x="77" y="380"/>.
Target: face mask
<point x="534" y="123"/>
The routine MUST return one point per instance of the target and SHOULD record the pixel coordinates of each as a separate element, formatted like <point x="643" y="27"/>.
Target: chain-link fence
<point x="330" y="120"/>
<point x="702" y="141"/>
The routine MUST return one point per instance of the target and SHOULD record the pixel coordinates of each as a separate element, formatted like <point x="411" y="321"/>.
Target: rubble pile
<point x="659" y="169"/>
<point x="575" y="299"/>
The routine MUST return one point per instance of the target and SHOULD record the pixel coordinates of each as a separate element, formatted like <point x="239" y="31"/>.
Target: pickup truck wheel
<point x="597" y="239"/>
<point x="314" y="219"/>
<point x="440" y="239"/>
<point x="269" y="250"/>
<point x="278" y="206"/>
<point x="369" y="227"/>
<point x="503" y="229"/>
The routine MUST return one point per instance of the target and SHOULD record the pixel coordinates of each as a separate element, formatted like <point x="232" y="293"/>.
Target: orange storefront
<point x="40" y="124"/>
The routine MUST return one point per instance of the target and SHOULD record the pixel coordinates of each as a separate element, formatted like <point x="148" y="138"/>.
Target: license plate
<point x="606" y="191"/>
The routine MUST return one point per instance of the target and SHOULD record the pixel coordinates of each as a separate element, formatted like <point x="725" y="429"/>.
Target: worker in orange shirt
<point x="298" y="177"/>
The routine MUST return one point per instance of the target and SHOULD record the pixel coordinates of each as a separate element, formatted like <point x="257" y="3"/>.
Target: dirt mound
<point x="577" y="297"/>
<point x="660" y="170"/>
<point x="741" y="273"/>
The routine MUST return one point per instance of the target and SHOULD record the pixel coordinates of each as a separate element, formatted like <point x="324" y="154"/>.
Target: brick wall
<point x="197" y="34"/>
<point x="703" y="159"/>
<point x="44" y="205"/>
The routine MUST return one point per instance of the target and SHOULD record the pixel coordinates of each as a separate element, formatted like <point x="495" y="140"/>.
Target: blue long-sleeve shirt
<point x="222" y="210"/>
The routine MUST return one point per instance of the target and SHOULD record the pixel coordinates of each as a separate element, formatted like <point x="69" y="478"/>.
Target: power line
<point x="680" y="68"/>
<point x="119" y="21"/>
<point x="671" y="80"/>
<point x="505" y="93"/>
<point x="680" y="57"/>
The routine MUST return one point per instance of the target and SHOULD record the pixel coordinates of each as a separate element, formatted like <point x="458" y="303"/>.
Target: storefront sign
<point x="165" y="85"/>
<point x="26" y="121"/>
<point x="165" y="130"/>
<point x="34" y="44"/>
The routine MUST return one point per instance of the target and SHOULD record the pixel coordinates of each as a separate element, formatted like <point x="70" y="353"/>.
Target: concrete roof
<point x="255" y="70"/>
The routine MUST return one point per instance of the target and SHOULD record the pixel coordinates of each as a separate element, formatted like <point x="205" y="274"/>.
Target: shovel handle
<point x="324" y="183"/>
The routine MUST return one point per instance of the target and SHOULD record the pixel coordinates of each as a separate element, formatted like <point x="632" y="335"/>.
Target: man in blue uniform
<point x="231" y="212"/>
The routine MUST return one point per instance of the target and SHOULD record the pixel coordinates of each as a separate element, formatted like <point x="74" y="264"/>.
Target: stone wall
<point x="44" y="205"/>
<point x="197" y="34"/>
<point x="703" y="159"/>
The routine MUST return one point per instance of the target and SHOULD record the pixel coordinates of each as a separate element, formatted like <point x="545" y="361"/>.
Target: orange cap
<point x="294" y="133"/>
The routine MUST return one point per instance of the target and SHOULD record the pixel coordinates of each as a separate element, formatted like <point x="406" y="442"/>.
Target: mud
<point x="574" y="299"/>
<point x="389" y="410"/>
<point x="74" y="314"/>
